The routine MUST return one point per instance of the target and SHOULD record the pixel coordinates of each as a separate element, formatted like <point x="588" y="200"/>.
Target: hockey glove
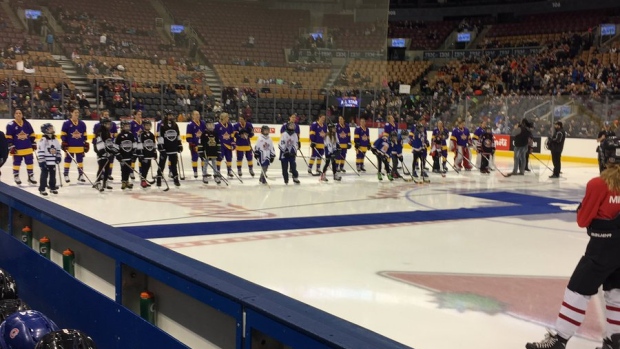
<point x="64" y="146"/>
<point x="180" y="148"/>
<point x="160" y="148"/>
<point x="34" y="146"/>
<point x="312" y="145"/>
<point x="256" y="154"/>
<point x="119" y="158"/>
<point x="298" y="145"/>
<point x="271" y="158"/>
<point x="193" y="147"/>
<point x="348" y="145"/>
<point x="427" y="143"/>
<point x="58" y="159"/>
<point x="292" y="155"/>
<point x="12" y="150"/>
<point x="357" y="146"/>
<point x="86" y="147"/>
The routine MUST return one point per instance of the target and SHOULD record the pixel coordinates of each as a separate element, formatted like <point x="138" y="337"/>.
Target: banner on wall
<point x="495" y="52"/>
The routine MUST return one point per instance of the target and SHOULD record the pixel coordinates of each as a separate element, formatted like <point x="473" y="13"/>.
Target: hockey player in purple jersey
<point x="74" y="144"/>
<point x="195" y="128"/>
<point x="243" y="132"/>
<point x="318" y="131"/>
<point x="21" y="140"/>
<point x="362" y="144"/>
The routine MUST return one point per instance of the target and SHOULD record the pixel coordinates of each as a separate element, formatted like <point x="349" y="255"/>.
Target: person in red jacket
<point x="599" y="213"/>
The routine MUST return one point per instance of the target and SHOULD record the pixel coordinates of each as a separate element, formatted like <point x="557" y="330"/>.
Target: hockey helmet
<point x="66" y="339"/>
<point x="209" y="123"/>
<point x="146" y="123"/>
<point x="24" y="329"/>
<point x="290" y="128"/>
<point x="331" y="125"/>
<point x="45" y="128"/>
<point x="8" y="287"/>
<point x="394" y="134"/>
<point x="125" y="123"/>
<point x="11" y="306"/>
<point x="264" y="130"/>
<point x="105" y="121"/>
<point x="611" y="150"/>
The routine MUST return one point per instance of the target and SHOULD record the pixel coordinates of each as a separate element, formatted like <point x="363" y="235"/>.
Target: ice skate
<point x="129" y="185"/>
<point x="43" y="192"/>
<point x="389" y="176"/>
<point x="239" y="173"/>
<point x="195" y="175"/>
<point x="323" y="178"/>
<point x="131" y="176"/>
<point x="17" y="180"/>
<point x="67" y="179"/>
<point x="551" y="341"/>
<point x="362" y="169"/>
<point x="158" y="181"/>
<point x="176" y="181"/>
<point x="54" y="191"/>
<point x="123" y="185"/>
<point x="296" y="181"/>
<point x="251" y="172"/>
<point x="205" y="179"/>
<point x="31" y="179"/>
<point x="144" y="184"/>
<point x="230" y="174"/>
<point x="337" y="177"/>
<point x="110" y="178"/>
<point x="379" y="176"/>
<point x="81" y="178"/>
<point x="611" y="343"/>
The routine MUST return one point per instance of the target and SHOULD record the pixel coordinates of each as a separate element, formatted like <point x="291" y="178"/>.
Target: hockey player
<point x="599" y="213"/>
<point x="603" y="134"/>
<point x="343" y="131"/>
<point x="264" y="152"/>
<point x="48" y="154"/>
<point x="439" y="148"/>
<point x="244" y="131"/>
<point x="381" y="149"/>
<point x="195" y="128"/>
<point x="288" y="152"/>
<point x="318" y="130"/>
<point x="113" y="129"/>
<point x="21" y="139"/>
<point x="486" y="149"/>
<point x="126" y="146"/>
<point x="104" y="146"/>
<point x="475" y="139"/>
<point x="224" y="130"/>
<point x="210" y="150"/>
<point x="169" y="146"/>
<point x="459" y="144"/>
<point x="146" y="151"/>
<point x="396" y="150"/>
<point x="362" y="144"/>
<point x="332" y="152"/>
<point x="418" y="143"/>
<point x="4" y="149"/>
<point x="137" y="127"/>
<point x="74" y="144"/>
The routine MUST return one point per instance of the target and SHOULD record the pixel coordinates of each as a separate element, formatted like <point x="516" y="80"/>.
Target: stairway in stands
<point x="80" y="81"/>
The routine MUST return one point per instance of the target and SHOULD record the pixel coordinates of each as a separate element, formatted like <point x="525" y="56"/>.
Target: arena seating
<point x="377" y="73"/>
<point x="423" y="35"/>
<point x="349" y="35"/>
<point x="225" y="28"/>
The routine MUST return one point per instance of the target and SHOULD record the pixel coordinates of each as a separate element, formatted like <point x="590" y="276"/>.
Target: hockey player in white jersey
<point x="264" y="152"/>
<point x="332" y="152"/>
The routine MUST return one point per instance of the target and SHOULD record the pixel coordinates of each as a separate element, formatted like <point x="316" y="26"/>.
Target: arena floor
<point x="468" y="261"/>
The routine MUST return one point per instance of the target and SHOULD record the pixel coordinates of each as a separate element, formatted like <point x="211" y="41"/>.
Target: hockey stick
<point x="537" y="158"/>
<point x="353" y="168"/>
<point x="372" y="163"/>
<point x="264" y="175"/>
<point x="405" y="168"/>
<point x="471" y="163"/>
<point x="160" y="174"/>
<point x="310" y="167"/>
<point x="302" y="155"/>
<point x="217" y="173"/>
<point x="506" y="175"/>
<point x="134" y="170"/>
<point x="80" y="170"/>
<point x="180" y="166"/>
<point x="454" y="168"/>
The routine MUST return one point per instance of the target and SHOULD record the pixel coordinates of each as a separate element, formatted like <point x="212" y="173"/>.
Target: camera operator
<point x="556" y="145"/>
<point x="599" y="212"/>
<point x="521" y="137"/>
<point x="603" y="134"/>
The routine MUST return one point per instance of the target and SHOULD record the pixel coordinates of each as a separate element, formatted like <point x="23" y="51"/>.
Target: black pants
<point x="102" y="171"/>
<point x="47" y="171"/>
<point x="556" y="156"/>
<point x="484" y="161"/>
<point x="600" y="265"/>
<point x="145" y="166"/>
<point x="383" y="161"/>
<point x="125" y="169"/>
<point x="163" y="158"/>
<point x="330" y="160"/>
<point x="285" y="164"/>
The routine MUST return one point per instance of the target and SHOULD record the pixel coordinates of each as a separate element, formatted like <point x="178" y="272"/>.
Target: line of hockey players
<point x="212" y="143"/>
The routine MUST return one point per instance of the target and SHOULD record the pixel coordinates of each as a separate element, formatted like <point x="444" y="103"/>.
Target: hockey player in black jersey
<point x="127" y="145"/>
<point x="105" y="148"/>
<point x="209" y="150"/>
<point x="169" y="146"/>
<point x="486" y="148"/>
<point x="146" y="151"/>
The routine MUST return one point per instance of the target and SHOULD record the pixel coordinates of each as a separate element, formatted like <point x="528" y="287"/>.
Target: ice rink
<point x="468" y="261"/>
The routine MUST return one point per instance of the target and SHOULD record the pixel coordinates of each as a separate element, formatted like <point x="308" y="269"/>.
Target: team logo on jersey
<point x="364" y="138"/>
<point x="322" y="134"/>
<point x="76" y="134"/>
<point x="22" y="136"/>
<point x="171" y="135"/>
<point x="127" y="145"/>
<point x="226" y="136"/>
<point x="464" y="137"/>
<point x="342" y="134"/>
<point x="52" y="150"/>
<point x="149" y="145"/>
<point x="211" y="142"/>
<point x="488" y="143"/>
